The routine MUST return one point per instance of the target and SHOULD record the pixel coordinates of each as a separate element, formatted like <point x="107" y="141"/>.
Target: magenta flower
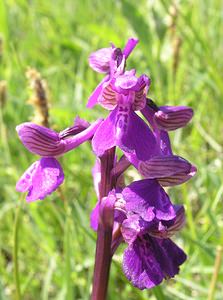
<point x="45" y="175"/>
<point x="110" y="61"/>
<point x="151" y="219"/>
<point x="147" y="219"/>
<point x="123" y="127"/>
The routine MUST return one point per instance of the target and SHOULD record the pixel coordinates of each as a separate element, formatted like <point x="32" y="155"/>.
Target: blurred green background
<point x="181" y="49"/>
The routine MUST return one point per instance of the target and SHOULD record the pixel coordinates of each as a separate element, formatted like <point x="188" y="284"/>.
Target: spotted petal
<point x="133" y="226"/>
<point x="149" y="200"/>
<point x="41" y="179"/>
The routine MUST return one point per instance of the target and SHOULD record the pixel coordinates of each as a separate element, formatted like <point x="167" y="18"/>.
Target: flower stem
<point x="103" y="247"/>
<point x="217" y="267"/>
<point x="15" y="253"/>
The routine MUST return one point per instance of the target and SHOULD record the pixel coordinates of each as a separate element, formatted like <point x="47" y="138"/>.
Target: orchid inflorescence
<point x="140" y="214"/>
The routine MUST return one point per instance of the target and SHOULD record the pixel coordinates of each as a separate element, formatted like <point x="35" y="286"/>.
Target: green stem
<point x="217" y="267"/>
<point x="15" y="252"/>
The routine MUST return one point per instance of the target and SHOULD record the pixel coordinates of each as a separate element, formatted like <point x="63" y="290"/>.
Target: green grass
<point x="50" y="242"/>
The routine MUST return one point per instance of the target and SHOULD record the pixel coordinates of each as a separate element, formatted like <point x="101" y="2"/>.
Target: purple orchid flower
<point x="147" y="219"/>
<point x="151" y="219"/>
<point x="123" y="127"/>
<point x="110" y="61"/>
<point x="147" y="208"/>
<point x="45" y="175"/>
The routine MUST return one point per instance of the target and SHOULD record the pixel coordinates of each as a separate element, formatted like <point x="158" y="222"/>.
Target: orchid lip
<point x="41" y="179"/>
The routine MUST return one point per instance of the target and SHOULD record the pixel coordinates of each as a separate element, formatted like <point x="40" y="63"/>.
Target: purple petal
<point x="41" y="179"/>
<point x="173" y="117"/>
<point x="104" y="137"/>
<point x="79" y="126"/>
<point x="133" y="135"/>
<point x="140" y="93"/>
<point x="82" y="137"/>
<point x="148" y="113"/>
<point x="107" y="98"/>
<point x="99" y="60"/>
<point x="131" y="228"/>
<point x="125" y="129"/>
<point x="179" y="221"/>
<point x="161" y="136"/>
<point x="45" y="142"/>
<point x="140" y="265"/>
<point x="93" y="99"/>
<point x="169" y="255"/>
<point x="163" y="166"/>
<point x="130" y="45"/>
<point x="40" y="140"/>
<point x="164" y="141"/>
<point x="125" y="82"/>
<point x="117" y="62"/>
<point x="179" y="178"/>
<point x="149" y="200"/>
<point x="25" y="181"/>
<point x="169" y="228"/>
<point x="148" y="261"/>
<point x="167" y="169"/>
